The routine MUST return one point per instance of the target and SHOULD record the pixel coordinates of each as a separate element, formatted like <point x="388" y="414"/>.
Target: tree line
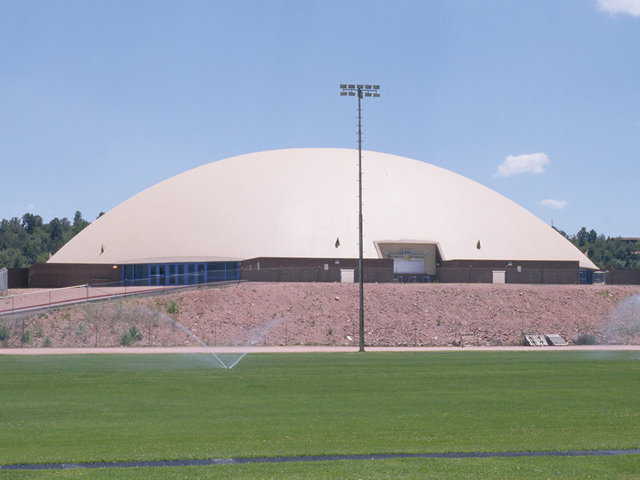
<point x="28" y="240"/>
<point x="606" y="252"/>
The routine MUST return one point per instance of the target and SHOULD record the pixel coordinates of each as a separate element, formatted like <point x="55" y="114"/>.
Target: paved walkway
<point x="300" y="349"/>
<point x="38" y="299"/>
<point x="317" y="458"/>
<point x="29" y="300"/>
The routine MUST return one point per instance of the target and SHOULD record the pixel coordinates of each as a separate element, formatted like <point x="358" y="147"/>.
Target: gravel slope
<point x="326" y="314"/>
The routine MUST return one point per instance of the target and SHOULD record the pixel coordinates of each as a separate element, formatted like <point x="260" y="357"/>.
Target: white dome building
<point x="302" y="204"/>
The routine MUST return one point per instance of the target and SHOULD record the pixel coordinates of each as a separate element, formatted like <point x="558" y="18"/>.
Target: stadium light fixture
<point x="361" y="91"/>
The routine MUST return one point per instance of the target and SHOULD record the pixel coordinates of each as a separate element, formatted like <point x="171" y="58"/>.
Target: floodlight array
<point x="353" y="89"/>
<point x="359" y="86"/>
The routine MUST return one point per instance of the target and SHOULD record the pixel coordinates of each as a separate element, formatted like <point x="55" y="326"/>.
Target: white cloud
<point x="527" y="163"/>
<point x="630" y="7"/>
<point x="555" y="204"/>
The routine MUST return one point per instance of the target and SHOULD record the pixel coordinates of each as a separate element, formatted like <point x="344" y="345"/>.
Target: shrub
<point x="47" y="342"/>
<point x="4" y="333"/>
<point x="172" y="307"/>
<point x="81" y="329"/>
<point x="586" y="339"/>
<point x="26" y="337"/>
<point x="130" y="337"/>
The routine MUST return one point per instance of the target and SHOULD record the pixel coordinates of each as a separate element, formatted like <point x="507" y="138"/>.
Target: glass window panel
<point x="200" y="268"/>
<point x="140" y="271"/>
<point x="215" y="271"/>
<point x="153" y="274"/>
<point x="162" y="273"/>
<point x="128" y="272"/>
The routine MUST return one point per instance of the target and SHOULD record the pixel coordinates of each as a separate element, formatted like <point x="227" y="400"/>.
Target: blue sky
<point x="101" y="99"/>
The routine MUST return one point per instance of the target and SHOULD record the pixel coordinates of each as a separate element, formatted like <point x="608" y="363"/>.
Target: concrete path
<point x="317" y="458"/>
<point x="39" y="299"/>
<point x="31" y="300"/>
<point x="300" y="349"/>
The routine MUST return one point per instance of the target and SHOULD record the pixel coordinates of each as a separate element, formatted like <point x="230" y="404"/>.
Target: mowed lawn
<point x="150" y="407"/>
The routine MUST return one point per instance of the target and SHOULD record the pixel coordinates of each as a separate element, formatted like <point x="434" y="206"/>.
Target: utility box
<point x="4" y="281"/>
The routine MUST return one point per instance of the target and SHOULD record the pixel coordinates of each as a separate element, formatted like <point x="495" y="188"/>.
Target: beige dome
<point x="298" y="202"/>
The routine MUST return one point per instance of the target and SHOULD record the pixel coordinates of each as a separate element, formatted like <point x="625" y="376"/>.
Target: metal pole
<point x="351" y="90"/>
<point x="360" y="253"/>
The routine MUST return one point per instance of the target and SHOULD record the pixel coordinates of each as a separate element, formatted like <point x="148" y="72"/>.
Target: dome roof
<point x="298" y="202"/>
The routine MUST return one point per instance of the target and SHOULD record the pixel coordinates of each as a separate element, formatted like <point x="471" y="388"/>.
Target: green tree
<point x="28" y="240"/>
<point x="12" y="258"/>
<point x="607" y="252"/>
<point x="79" y="223"/>
<point x="31" y="222"/>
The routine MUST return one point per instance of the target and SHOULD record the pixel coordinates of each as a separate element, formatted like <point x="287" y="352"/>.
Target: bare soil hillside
<point x="327" y="314"/>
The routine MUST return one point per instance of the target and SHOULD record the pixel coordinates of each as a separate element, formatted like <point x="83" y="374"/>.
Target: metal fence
<point x="45" y="298"/>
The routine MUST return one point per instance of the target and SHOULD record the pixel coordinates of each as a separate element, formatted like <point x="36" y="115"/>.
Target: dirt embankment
<point x="327" y="314"/>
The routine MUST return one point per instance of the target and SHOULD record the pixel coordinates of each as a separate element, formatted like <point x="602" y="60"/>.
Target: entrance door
<point x="162" y="274"/>
<point x="201" y="268"/>
<point x="346" y="275"/>
<point x="196" y="273"/>
<point x="153" y="274"/>
<point x="191" y="274"/>
<point x="498" y="276"/>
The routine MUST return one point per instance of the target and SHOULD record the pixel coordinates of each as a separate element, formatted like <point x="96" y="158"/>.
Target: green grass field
<point x="150" y="407"/>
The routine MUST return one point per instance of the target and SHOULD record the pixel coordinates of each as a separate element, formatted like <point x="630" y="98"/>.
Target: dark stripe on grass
<point x="314" y="458"/>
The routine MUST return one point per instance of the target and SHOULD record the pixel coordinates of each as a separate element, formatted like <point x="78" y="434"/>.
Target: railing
<point x="81" y="293"/>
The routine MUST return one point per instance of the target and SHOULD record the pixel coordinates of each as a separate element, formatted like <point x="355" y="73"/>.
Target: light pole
<point x="353" y="90"/>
